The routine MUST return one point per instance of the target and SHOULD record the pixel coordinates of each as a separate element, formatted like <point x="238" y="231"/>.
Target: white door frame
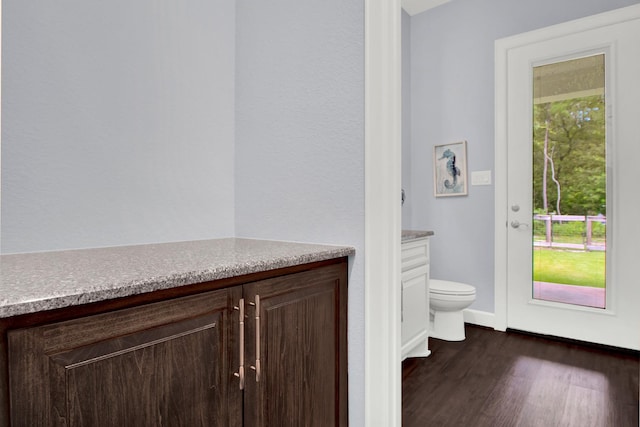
<point x="382" y="363"/>
<point x="502" y="48"/>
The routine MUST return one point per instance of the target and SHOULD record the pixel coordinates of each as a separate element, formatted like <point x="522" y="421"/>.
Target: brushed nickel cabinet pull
<point x="240" y="373"/>
<point x="256" y="367"/>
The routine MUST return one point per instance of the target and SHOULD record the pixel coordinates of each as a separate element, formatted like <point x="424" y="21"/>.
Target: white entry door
<point x="527" y="114"/>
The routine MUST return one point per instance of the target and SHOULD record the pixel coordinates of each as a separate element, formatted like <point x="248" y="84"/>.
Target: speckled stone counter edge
<point x="36" y="282"/>
<point x="408" y="235"/>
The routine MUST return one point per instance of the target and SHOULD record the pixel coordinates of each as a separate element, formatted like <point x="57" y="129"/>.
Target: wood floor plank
<point x="586" y="407"/>
<point x="503" y="407"/>
<point x="511" y="379"/>
<point x="546" y="400"/>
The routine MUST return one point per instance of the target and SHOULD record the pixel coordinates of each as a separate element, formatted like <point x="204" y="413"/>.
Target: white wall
<point x="119" y="127"/>
<point x="406" y="120"/>
<point x="117" y="122"/>
<point x="123" y="137"/>
<point x="300" y="137"/>
<point x="452" y="98"/>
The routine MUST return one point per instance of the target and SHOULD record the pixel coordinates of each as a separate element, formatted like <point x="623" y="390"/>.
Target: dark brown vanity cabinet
<point x="301" y="343"/>
<point x="165" y="363"/>
<point x="269" y="352"/>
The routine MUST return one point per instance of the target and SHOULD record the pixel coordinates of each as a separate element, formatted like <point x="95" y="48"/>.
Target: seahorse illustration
<point x="451" y="168"/>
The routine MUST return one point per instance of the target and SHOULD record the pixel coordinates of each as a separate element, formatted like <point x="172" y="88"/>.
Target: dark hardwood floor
<point x="511" y="379"/>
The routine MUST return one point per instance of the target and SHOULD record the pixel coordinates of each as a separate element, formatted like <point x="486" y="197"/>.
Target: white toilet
<point x="446" y="302"/>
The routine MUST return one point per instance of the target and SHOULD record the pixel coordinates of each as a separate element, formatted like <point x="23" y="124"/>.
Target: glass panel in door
<point x="570" y="182"/>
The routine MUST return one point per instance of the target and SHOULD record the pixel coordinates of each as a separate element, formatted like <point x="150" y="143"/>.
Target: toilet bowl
<point x="446" y="301"/>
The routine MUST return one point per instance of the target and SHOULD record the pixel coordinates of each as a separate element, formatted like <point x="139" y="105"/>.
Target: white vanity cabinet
<point x="415" y="297"/>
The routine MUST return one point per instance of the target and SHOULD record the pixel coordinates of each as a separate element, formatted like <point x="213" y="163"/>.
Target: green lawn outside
<point x="569" y="267"/>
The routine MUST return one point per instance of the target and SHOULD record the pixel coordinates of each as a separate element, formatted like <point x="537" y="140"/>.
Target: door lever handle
<point x="518" y="224"/>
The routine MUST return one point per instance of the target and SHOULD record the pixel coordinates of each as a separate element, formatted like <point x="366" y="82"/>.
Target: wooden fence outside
<point x="588" y="243"/>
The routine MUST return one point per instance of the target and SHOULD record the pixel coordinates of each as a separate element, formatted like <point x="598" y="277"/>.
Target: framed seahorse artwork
<point x="450" y="169"/>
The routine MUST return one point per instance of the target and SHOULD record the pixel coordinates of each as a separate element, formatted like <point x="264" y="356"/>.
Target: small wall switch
<point x="481" y="178"/>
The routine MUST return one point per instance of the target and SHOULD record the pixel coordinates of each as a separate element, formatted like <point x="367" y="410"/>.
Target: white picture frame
<point x="450" y="170"/>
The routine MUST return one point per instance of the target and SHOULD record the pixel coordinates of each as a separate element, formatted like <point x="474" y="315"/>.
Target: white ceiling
<point x="413" y="7"/>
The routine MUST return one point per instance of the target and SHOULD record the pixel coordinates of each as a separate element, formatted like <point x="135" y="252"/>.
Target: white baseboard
<point x="416" y="347"/>
<point x="480" y="318"/>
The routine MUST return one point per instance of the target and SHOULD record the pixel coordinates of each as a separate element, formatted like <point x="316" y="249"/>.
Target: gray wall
<point x="117" y="122"/>
<point x="300" y="137"/>
<point x="135" y="122"/>
<point x="452" y="98"/>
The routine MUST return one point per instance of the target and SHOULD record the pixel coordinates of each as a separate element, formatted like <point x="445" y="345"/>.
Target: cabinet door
<point x="167" y="363"/>
<point x="415" y="298"/>
<point x="415" y="311"/>
<point x="299" y="346"/>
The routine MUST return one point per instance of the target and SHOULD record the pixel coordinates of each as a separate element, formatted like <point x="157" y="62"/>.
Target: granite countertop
<point x="415" y="234"/>
<point x="48" y="280"/>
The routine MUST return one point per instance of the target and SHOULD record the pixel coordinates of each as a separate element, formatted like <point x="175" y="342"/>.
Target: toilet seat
<point x="445" y="287"/>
